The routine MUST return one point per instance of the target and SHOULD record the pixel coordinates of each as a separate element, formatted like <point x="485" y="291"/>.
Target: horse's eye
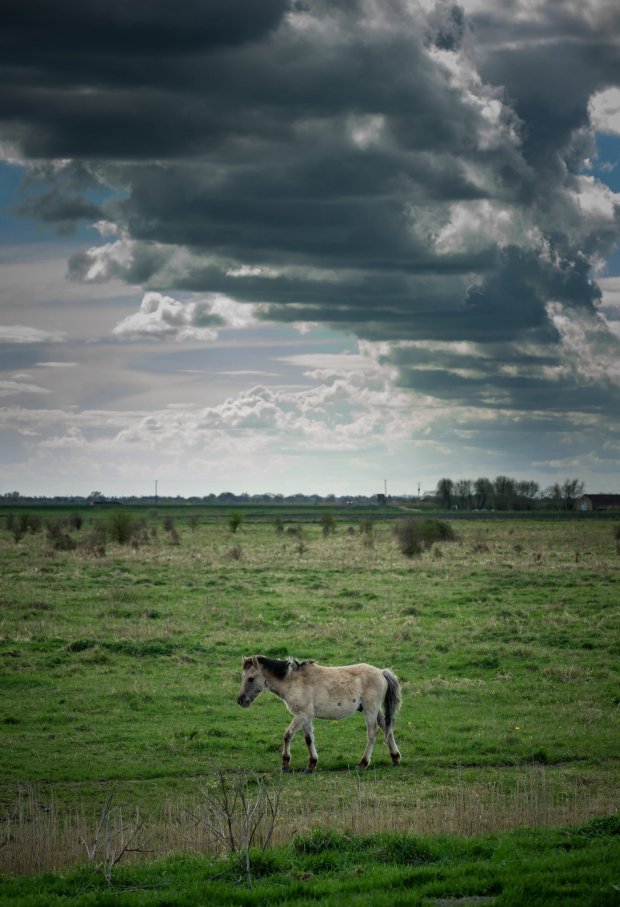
<point x="250" y="680"/>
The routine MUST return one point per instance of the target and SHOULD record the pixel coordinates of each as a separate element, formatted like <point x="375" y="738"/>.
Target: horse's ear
<point x="246" y="662"/>
<point x="255" y="661"/>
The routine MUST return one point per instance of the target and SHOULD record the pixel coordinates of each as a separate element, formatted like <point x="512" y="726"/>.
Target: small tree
<point x="328" y="523"/>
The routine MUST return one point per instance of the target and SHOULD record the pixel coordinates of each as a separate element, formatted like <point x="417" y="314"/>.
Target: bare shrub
<point x="240" y="814"/>
<point x="113" y="838"/>
<point x="235" y="553"/>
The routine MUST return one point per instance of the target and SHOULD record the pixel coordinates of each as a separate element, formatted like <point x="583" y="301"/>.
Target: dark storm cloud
<point x="550" y="65"/>
<point x="401" y="175"/>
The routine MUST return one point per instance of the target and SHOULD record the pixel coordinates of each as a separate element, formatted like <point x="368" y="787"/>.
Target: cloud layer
<point x="418" y="175"/>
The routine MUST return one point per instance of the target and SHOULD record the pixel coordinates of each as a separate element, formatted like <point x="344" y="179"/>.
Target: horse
<point x="311" y="690"/>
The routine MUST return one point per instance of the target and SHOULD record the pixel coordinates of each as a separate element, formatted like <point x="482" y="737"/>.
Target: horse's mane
<point x="280" y="667"/>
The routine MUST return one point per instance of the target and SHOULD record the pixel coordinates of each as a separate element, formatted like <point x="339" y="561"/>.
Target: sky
<point x="316" y="246"/>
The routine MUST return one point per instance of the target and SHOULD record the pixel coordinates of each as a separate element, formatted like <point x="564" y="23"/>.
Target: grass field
<point x="120" y="670"/>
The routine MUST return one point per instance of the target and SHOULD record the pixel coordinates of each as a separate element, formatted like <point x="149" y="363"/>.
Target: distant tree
<point x="571" y="490"/>
<point x="504" y="489"/>
<point x="553" y="496"/>
<point x="527" y="493"/>
<point x="464" y="493"/>
<point x="328" y="523"/>
<point x="444" y="491"/>
<point x="483" y="493"/>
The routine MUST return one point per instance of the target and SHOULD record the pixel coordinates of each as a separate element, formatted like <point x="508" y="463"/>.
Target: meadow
<point x="121" y="665"/>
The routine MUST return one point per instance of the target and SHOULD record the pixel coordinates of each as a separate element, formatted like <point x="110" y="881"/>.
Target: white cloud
<point x="56" y="364"/>
<point x="163" y="317"/>
<point x="19" y="333"/>
<point x="605" y="111"/>
<point x="476" y="225"/>
<point x="589" y="344"/>
<point x="15" y="387"/>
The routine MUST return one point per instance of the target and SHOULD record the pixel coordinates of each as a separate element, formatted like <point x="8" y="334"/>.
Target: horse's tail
<point x="392" y="700"/>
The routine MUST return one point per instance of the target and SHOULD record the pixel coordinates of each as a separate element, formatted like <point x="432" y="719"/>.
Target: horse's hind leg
<point x="371" y="729"/>
<point x="389" y="736"/>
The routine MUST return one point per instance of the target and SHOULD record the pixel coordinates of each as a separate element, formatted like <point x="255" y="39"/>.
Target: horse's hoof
<point x="286" y="770"/>
<point x="363" y="764"/>
<point x="308" y="771"/>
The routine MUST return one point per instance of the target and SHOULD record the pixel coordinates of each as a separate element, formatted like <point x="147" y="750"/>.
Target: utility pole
<point x="156" y="492"/>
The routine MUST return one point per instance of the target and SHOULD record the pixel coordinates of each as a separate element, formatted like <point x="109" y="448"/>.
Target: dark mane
<point x="276" y="666"/>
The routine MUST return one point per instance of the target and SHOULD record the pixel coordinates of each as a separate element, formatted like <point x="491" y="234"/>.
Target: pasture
<point x="121" y="667"/>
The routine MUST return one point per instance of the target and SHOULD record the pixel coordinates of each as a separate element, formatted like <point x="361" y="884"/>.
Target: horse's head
<point x="252" y="682"/>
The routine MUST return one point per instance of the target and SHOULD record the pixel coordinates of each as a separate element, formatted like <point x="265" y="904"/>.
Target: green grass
<point x="120" y="673"/>
<point x="579" y="865"/>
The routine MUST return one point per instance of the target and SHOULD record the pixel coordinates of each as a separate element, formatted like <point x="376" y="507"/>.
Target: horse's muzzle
<point x="244" y="702"/>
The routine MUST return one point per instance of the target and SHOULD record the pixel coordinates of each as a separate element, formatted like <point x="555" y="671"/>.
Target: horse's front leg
<point x="290" y="732"/>
<point x="313" y="756"/>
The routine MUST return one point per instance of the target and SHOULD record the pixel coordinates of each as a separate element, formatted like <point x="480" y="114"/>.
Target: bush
<point x="94" y="543"/>
<point x="409" y="537"/>
<point x="120" y="526"/>
<point x="75" y="521"/>
<point x="58" y="539"/>
<point x="328" y="524"/>
<point x="20" y="525"/>
<point x="235" y="520"/>
<point x="414" y="536"/>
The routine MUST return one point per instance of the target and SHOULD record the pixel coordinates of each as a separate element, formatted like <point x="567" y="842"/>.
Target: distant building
<point x="381" y="499"/>
<point x="598" y="502"/>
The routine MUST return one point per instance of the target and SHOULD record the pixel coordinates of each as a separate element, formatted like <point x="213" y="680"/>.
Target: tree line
<point x="505" y="493"/>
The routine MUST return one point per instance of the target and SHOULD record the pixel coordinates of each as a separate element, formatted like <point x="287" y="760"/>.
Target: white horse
<point x="310" y="691"/>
